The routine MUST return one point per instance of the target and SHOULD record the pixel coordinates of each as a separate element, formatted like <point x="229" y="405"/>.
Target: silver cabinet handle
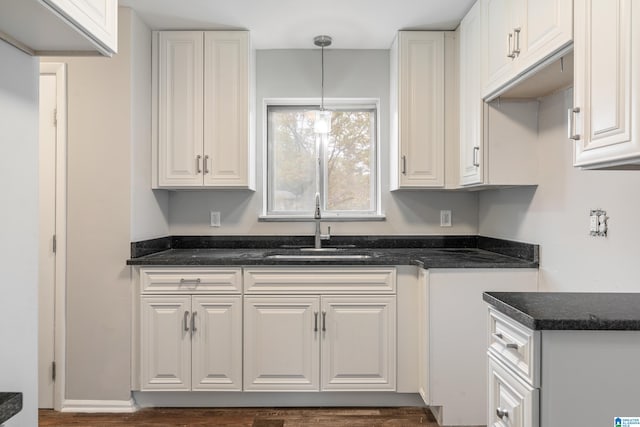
<point x="315" y="321"/>
<point x="516" y="50"/>
<point x="501" y="413"/>
<point x="193" y="322"/>
<point x="476" y="159"/>
<point x="510" y="54"/>
<point x="206" y="164"/>
<point x="184" y="281"/>
<point x="186" y="321"/>
<point x="324" y="321"/>
<point x="198" y="170"/>
<point x="500" y="337"/>
<point x="571" y="133"/>
<point x="404" y="165"/>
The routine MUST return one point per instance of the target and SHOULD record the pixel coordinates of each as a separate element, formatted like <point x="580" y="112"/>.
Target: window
<point x="341" y="166"/>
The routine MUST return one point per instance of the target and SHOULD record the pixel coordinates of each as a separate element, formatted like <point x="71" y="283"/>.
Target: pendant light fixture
<point x="322" y="124"/>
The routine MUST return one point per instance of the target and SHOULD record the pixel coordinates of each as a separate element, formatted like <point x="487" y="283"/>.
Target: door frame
<point x="60" y="291"/>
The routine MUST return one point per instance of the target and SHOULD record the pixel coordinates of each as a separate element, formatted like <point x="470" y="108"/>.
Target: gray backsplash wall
<point x="348" y="74"/>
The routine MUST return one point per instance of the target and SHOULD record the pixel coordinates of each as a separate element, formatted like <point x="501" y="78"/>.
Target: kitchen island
<point x="558" y="359"/>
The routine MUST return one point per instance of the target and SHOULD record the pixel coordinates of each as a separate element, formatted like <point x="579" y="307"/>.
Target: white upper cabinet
<point x="519" y="35"/>
<point x="202" y="110"/>
<point x="489" y="154"/>
<point x="471" y="104"/>
<point x="417" y="110"/>
<point x="61" y="27"/>
<point x="605" y="118"/>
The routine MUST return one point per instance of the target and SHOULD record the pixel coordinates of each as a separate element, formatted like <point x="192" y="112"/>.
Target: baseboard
<point x="94" y="406"/>
<point x="275" y="399"/>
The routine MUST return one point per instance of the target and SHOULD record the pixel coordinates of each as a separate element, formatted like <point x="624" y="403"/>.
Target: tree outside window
<point x="341" y="165"/>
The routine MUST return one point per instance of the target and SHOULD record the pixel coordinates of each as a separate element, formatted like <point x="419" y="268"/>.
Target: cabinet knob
<point x="502" y="413"/>
<point x="404" y="165"/>
<point x="206" y="164"/>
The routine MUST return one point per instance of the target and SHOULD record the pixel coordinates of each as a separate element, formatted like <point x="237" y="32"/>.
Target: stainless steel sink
<point x="319" y="257"/>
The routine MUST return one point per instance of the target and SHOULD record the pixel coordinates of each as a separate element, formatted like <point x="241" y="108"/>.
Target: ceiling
<point x="292" y="24"/>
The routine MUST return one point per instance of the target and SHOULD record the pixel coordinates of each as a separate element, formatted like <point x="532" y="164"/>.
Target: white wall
<point x="19" y="231"/>
<point x="556" y="214"/>
<point x="349" y="74"/>
<point x="149" y="209"/>
<point x="108" y="127"/>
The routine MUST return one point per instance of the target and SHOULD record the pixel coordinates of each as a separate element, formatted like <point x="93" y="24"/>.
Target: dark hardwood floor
<point x="247" y="417"/>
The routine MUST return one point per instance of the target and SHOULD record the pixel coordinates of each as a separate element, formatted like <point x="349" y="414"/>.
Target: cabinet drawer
<point x="512" y="402"/>
<point x="343" y="280"/>
<point x="191" y="280"/>
<point x="515" y="345"/>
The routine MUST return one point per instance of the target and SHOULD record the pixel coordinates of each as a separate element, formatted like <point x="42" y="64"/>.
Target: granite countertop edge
<point x="10" y="404"/>
<point x="423" y="251"/>
<point x="569" y="311"/>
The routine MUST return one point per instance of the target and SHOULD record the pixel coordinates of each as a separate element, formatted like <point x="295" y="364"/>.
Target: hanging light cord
<point x="322" y="81"/>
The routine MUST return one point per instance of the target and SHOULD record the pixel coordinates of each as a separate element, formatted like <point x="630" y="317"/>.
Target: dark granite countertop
<point x="426" y="252"/>
<point x="10" y="404"/>
<point x="569" y="310"/>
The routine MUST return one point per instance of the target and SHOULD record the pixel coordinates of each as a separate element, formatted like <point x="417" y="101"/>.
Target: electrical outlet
<point x="215" y="219"/>
<point x="445" y="218"/>
<point x="598" y="226"/>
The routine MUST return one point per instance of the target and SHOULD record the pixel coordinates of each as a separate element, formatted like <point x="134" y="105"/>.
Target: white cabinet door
<point x="417" y="92"/>
<point x="97" y="19"/>
<point x="548" y="28"/>
<point x="180" y="108"/>
<point x="166" y="342"/>
<point x="606" y="105"/>
<point x="358" y="346"/>
<point x="471" y="104"/>
<point x="498" y="42"/>
<point x="518" y="35"/>
<point x="226" y="107"/>
<point x="281" y="343"/>
<point x="216" y="343"/>
<point x="512" y="402"/>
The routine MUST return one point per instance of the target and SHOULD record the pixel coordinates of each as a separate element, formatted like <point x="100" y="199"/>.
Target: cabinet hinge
<point x="55" y="243"/>
<point x="55" y="117"/>
<point x="53" y="370"/>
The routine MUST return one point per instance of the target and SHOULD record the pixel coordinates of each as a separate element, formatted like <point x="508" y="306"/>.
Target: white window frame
<point x="376" y="214"/>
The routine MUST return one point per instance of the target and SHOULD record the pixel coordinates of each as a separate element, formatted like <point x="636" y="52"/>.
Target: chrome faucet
<point x="319" y="237"/>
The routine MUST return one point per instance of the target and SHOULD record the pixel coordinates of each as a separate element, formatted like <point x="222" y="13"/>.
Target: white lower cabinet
<point x="289" y="341"/>
<point x="190" y="340"/>
<point x="456" y="338"/>
<point x="319" y="342"/>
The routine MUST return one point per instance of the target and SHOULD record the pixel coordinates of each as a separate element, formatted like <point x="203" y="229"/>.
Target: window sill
<point x="341" y="218"/>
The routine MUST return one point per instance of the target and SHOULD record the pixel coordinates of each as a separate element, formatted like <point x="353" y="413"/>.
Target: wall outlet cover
<point x="215" y="219"/>
<point x="445" y="218"/>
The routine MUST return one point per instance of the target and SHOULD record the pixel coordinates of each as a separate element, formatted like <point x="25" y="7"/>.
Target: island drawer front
<point x="512" y="402"/>
<point x="515" y="345"/>
<point x="191" y="280"/>
<point x="315" y="280"/>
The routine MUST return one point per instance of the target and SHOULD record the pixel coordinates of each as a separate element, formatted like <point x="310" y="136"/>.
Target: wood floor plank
<point x="246" y="417"/>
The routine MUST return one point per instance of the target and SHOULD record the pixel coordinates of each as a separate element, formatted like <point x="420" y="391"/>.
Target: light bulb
<point x="322" y="123"/>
